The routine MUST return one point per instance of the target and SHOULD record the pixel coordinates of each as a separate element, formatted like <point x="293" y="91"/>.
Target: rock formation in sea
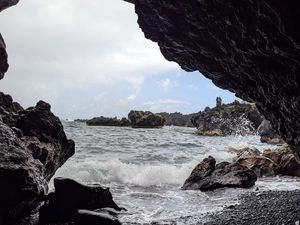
<point x="208" y="175"/>
<point x="228" y="119"/>
<point x="145" y="119"/>
<point x="33" y="147"/>
<point x="178" y="119"/>
<point x="107" y="121"/>
<point x="248" y="47"/>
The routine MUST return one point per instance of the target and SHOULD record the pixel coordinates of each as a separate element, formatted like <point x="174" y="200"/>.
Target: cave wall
<point x="3" y="55"/>
<point x="249" y="47"/>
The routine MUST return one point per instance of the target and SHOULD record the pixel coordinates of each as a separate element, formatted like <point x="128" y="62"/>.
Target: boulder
<point x="278" y="161"/>
<point x="262" y="166"/>
<point x="285" y="159"/>
<point x="227" y="119"/>
<point x="33" y="146"/>
<point x="105" y="121"/>
<point x="208" y="176"/>
<point x="70" y="196"/>
<point x="248" y="47"/>
<point x="141" y="119"/>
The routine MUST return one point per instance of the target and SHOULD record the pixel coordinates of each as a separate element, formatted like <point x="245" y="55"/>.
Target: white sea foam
<point x="115" y="171"/>
<point x="145" y="169"/>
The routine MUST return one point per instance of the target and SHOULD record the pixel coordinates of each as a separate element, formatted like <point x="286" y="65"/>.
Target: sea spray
<point x="145" y="169"/>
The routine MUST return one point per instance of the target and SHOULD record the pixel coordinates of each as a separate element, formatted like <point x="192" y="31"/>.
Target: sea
<point x="145" y="169"/>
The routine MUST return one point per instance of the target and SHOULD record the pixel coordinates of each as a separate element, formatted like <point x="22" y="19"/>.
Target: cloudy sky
<point x="89" y="58"/>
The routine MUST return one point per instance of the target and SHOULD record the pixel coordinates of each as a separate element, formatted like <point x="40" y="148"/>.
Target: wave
<point x="117" y="172"/>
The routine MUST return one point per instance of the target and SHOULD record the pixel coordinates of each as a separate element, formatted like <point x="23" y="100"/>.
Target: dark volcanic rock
<point x="69" y="196"/>
<point x="262" y="166"/>
<point x="268" y="134"/>
<point x="177" y="119"/>
<point x="227" y="119"/>
<point x="7" y="3"/>
<point x="248" y="47"/>
<point x="33" y="146"/>
<point x="3" y="58"/>
<point x="3" y="55"/>
<point x="105" y="121"/>
<point x="286" y="162"/>
<point x="278" y="161"/>
<point x="141" y="119"/>
<point x="81" y="120"/>
<point x="208" y="176"/>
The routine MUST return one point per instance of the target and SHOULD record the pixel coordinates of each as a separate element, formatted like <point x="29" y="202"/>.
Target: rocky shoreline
<point x="254" y="52"/>
<point x="267" y="207"/>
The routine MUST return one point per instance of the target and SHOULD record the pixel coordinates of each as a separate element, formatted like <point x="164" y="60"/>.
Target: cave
<point x="251" y="48"/>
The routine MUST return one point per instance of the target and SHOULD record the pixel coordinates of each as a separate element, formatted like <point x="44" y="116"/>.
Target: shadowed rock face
<point x="3" y="58"/>
<point x="249" y="47"/>
<point x="7" y="3"/>
<point x="33" y="146"/>
<point x="3" y="55"/>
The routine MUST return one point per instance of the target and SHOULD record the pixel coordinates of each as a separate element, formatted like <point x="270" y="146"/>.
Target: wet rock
<point x="278" y="161"/>
<point x="33" y="146"/>
<point x="285" y="159"/>
<point x="248" y="47"/>
<point x="227" y="119"/>
<point x="241" y="152"/>
<point x="141" y="119"/>
<point x="262" y="166"/>
<point x="105" y="121"/>
<point x="208" y="176"/>
<point x="69" y="196"/>
<point x="84" y="217"/>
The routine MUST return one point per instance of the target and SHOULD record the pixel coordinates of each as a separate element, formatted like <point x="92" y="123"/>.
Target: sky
<point x="90" y="58"/>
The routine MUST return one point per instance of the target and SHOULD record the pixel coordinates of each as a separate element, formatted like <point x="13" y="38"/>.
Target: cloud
<point x="166" y="105"/>
<point x="131" y="97"/>
<point x="165" y="84"/>
<point x="73" y="45"/>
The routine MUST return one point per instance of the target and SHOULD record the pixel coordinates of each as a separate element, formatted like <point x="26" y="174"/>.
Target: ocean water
<point x="145" y="169"/>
